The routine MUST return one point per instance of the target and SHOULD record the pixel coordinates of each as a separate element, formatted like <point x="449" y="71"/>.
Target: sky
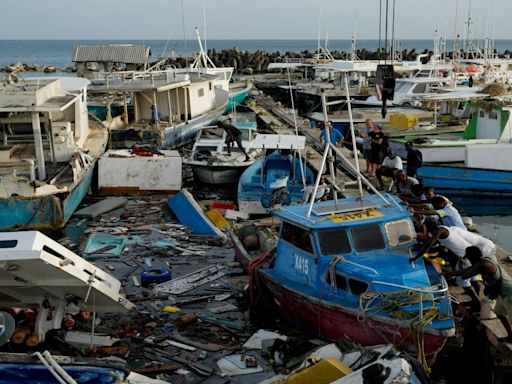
<point x="243" y="19"/>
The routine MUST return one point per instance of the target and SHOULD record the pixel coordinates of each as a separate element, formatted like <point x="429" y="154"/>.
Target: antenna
<point x="204" y="26"/>
<point x="183" y="23"/>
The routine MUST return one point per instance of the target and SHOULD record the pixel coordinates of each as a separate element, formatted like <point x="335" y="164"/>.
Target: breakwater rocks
<point x="22" y="67"/>
<point x="251" y="62"/>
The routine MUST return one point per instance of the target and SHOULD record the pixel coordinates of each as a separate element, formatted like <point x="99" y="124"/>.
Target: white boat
<point x="184" y="101"/>
<point x="209" y="158"/>
<point x="49" y="151"/>
<point x="487" y="127"/>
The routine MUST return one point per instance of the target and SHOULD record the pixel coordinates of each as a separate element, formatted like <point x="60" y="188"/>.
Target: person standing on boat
<point x="498" y="284"/>
<point x="376" y="149"/>
<point x="335" y="135"/>
<point x="390" y="166"/>
<point x="414" y="159"/>
<point x="446" y="212"/>
<point x="367" y="145"/>
<point x="234" y="135"/>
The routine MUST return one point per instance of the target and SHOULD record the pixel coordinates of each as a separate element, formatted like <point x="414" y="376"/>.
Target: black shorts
<point x="376" y="157"/>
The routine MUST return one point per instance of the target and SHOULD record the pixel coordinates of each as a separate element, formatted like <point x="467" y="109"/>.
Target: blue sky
<point x="243" y="19"/>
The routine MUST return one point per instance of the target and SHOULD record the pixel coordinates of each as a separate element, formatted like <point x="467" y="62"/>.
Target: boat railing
<point x="424" y="294"/>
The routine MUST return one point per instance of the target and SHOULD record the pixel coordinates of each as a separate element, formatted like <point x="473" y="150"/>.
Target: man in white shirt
<point x="390" y="165"/>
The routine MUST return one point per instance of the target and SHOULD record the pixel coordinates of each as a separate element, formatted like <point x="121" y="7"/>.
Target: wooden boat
<point x="189" y="213"/>
<point x="362" y="286"/>
<point x="209" y="159"/>
<point x="49" y="152"/>
<point x="279" y="178"/>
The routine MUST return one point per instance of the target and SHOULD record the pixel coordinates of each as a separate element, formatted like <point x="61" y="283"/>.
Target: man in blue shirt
<point x="335" y="135"/>
<point x="155" y="118"/>
<point x="447" y="213"/>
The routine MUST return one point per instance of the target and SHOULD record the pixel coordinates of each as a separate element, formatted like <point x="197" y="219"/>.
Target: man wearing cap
<point x="391" y="164"/>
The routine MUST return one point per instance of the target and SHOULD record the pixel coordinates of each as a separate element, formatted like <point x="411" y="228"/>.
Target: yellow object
<point x="402" y="121"/>
<point x="217" y="219"/>
<point x="324" y="372"/>
<point x="355" y="216"/>
<point x="170" y="309"/>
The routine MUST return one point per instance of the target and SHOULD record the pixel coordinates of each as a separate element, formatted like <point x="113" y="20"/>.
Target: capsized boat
<point x="209" y="159"/>
<point x="361" y="286"/>
<point x="49" y="151"/>
<point x="278" y="178"/>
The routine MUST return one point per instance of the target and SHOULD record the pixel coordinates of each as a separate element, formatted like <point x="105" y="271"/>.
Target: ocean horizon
<point x="58" y="52"/>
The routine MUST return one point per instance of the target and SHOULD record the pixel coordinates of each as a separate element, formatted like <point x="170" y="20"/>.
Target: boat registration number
<point x="301" y="265"/>
<point x="354" y="216"/>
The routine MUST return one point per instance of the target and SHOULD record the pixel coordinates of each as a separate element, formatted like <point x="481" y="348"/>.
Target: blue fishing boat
<point x="190" y="214"/>
<point x="278" y="178"/>
<point x="361" y="286"/>
<point x="464" y="181"/>
<point x="342" y="268"/>
<point x="23" y="368"/>
<point x="49" y="152"/>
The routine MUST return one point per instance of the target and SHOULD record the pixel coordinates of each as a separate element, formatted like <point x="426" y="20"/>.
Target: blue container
<point x="155" y="276"/>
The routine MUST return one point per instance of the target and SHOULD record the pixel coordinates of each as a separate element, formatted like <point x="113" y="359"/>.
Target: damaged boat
<point x="210" y="161"/>
<point x="361" y="286"/>
<point x="48" y="152"/>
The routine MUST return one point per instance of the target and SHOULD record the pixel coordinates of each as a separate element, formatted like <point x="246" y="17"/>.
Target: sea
<point x="496" y="226"/>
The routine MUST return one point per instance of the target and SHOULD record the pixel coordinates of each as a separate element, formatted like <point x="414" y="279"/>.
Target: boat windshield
<point x="399" y="232"/>
<point x="334" y="242"/>
<point x="368" y="238"/>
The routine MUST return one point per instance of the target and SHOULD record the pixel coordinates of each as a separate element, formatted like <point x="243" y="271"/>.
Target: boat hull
<point x="218" y="174"/>
<point x="44" y="212"/>
<point x="432" y="154"/>
<point x="463" y="181"/>
<point x="334" y="322"/>
<point x="190" y="214"/>
<point x="237" y="98"/>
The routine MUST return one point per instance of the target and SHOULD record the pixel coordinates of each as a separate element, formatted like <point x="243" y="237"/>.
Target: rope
<point x="332" y="274"/>
<point x="253" y="267"/>
<point x="393" y="302"/>
<point x="50" y="368"/>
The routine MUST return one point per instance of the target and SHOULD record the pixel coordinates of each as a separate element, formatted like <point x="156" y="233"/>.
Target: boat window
<point x="341" y="281"/>
<point x="297" y="236"/>
<point x="357" y="287"/>
<point x="334" y="242"/>
<point x="399" y="232"/>
<point x="245" y="134"/>
<point x="482" y="114"/>
<point x="493" y="115"/>
<point x="368" y="237"/>
<point x="210" y="85"/>
<point x="200" y="92"/>
<point x="420" y="88"/>
<point x="8" y="243"/>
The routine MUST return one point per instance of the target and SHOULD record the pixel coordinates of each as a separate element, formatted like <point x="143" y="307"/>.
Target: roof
<point x="349" y="213"/>
<point x="116" y="53"/>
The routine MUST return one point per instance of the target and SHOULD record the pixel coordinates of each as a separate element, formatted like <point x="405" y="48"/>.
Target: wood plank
<point x="101" y="207"/>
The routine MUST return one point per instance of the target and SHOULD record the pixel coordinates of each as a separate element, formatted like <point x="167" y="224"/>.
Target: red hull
<point x="333" y="323"/>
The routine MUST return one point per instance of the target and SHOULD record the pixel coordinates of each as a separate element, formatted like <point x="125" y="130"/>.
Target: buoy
<point x="155" y="276"/>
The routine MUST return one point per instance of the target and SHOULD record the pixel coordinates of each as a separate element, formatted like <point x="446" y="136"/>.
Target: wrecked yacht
<point x="48" y="151"/>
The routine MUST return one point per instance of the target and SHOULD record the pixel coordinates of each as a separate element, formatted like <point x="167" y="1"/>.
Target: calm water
<point x="58" y="52"/>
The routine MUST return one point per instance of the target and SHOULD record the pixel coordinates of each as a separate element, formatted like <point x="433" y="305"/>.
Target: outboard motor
<point x="385" y="84"/>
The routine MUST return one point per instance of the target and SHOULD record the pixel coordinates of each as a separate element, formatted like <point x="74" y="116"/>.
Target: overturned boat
<point x="48" y="153"/>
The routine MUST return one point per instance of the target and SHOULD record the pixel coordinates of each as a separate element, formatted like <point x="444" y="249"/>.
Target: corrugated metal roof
<point x="117" y="53"/>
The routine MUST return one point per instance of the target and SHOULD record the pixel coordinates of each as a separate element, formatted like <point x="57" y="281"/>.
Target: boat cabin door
<point x="296" y="254"/>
